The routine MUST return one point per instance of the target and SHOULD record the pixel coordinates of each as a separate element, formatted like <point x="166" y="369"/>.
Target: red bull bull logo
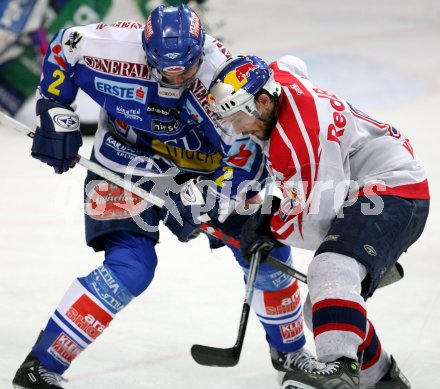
<point x="239" y="76"/>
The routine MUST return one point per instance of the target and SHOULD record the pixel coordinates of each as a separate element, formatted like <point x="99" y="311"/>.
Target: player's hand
<point x="256" y="233"/>
<point x="185" y="210"/>
<point x="57" y="138"/>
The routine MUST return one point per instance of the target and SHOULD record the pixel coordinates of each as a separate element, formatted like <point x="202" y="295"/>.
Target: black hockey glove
<point x="57" y="138"/>
<point x="256" y="232"/>
<point x="185" y="210"/>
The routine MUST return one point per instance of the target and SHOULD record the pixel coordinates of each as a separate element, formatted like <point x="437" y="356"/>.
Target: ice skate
<point x="393" y="379"/>
<point x="33" y="375"/>
<point x="340" y="374"/>
<point x="300" y="363"/>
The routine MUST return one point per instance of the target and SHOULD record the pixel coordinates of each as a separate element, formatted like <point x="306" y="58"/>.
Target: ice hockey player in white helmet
<point x="353" y="191"/>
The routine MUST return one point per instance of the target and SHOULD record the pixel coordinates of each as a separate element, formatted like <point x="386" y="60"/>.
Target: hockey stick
<point x="204" y="355"/>
<point x="132" y="187"/>
<point x="393" y="275"/>
<point x="228" y="357"/>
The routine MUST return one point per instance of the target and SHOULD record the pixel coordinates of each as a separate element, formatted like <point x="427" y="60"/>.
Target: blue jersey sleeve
<point x="56" y="82"/>
<point x="242" y="170"/>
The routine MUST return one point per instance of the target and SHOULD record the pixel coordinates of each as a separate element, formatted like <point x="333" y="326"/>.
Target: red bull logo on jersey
<point x="239" y="76"/>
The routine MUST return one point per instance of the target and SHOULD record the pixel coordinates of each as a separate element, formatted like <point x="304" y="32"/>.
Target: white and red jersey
<point x="323" y="151"/>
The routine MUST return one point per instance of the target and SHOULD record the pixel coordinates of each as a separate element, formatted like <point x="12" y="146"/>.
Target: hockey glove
<point x="185" y="210"/>
<point x="57" y="138"/>
<point x="256" y="232"/>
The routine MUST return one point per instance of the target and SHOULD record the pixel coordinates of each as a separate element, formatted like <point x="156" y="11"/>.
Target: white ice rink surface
<point x="384" y="57"/>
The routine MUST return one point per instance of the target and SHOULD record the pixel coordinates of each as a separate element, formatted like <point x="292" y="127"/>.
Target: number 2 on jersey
<point x="59" y="79"/>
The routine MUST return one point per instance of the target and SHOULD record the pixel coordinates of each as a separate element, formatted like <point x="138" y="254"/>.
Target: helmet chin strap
<point x="257" y="113"/>
<point x="161" y="81"/>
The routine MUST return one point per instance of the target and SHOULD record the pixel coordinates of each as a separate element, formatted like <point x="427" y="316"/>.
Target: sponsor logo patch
<point x="291" y="331"/>
<point x="282" y="301"/>
<point x="74" y="38"/>
<point x="119" y="68"/>
<point x="127" y="24"/>
<point x="156" y="109"/>
<point x="69" y="122"/>
<point x="148" y="29"/>
<point x="242" y="155"/>
<point x="241" y="158"/>
<point x="195" y="27"/>
<point x="297" y="89"/>
<point x="88" y="316"/>
<point x="187" y="159"/>
<point x="121" y="90"/>
<point x="64" y="349"/>
<point x="132" y="114"/>
<point x="370" y="250"/>
<point x="107" y="288"/>
<point x="108" y="202"/>
<point x="165" y="126"/>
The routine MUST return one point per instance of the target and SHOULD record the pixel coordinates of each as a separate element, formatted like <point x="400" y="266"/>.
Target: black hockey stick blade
<point x="392" y="275"/>
<point x="212" y="356"/>
<point x="223" y="357"/>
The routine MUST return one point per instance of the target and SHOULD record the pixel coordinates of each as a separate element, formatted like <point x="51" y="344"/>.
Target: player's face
<point x="260" y="127"/>
<point x="180" y="77"/>
<point x="247" y="125"/>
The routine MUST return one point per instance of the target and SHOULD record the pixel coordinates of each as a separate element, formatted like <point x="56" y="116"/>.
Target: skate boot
<point x="300" y="362"/>
<point x="393" y="379"/>
<point x="33" y="375"/>
<point x="340" y="374"/>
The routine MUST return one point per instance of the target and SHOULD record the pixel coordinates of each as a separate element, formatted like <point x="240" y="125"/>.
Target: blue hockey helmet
<point x="173" y="38"/>
<point x="237" y="81"/>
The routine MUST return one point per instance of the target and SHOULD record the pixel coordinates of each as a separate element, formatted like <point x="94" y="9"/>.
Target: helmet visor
<point x="241" y="121"/>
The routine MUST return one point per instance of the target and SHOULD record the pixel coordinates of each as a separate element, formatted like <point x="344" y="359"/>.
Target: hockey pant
<point x="91" y="302"/>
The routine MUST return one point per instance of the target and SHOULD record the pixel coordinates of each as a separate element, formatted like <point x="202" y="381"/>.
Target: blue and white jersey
<point x="142" y="123"/>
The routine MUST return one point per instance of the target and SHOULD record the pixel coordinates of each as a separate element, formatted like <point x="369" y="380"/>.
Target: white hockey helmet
<point x="237" y="81"/>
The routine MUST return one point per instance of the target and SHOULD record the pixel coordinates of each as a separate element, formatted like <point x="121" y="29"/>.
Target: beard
<point x="268" y="126"/>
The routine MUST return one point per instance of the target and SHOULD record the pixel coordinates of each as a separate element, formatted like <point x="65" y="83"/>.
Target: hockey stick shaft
<point x="228" y="357"/>
<point x="132" y="187"/>
<point x="89" y="165"/>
